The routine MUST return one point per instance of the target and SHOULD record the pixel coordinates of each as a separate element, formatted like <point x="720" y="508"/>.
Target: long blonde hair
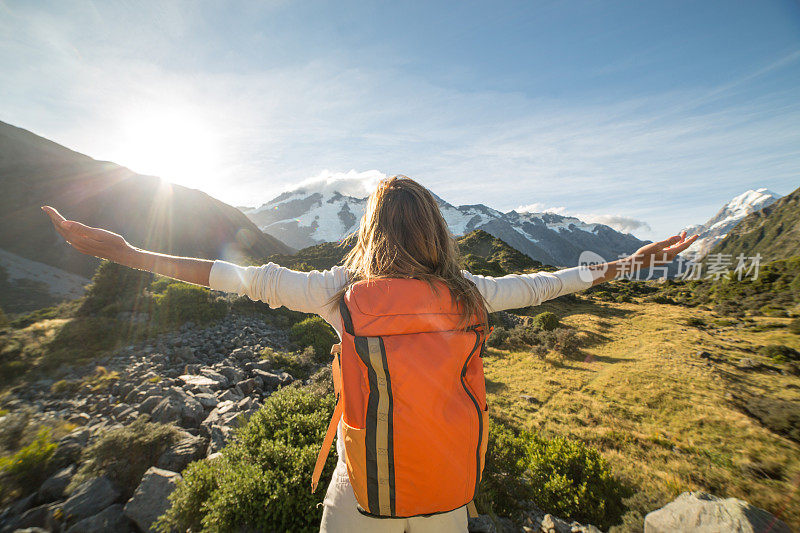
<point x="404" y="235"/>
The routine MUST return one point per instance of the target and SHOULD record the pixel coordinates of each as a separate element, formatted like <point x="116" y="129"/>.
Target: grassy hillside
<point x="148" y="212"/>
<point x="481" y="254"/>
<point x="666" y="418"/>
<point x="773" y="232"/>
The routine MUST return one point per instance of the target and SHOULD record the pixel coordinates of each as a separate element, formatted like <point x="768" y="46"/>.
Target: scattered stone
<point x="700" y="512"/>
<point x="230" y="396"/>
<point x="198" y="381"/>
<point x="150" y="499"/>
<point x="553" y="524"/>
<point x="43" y="516"/>
<point x="181" y="454"/>
<point x="208" y="401"/>
<point x="481" y="524"/>
<point x="246" y="386"/>
<point x="168" y="410"/>
<point x="220" y="381"/>
<point x="89" y="498"/>
<point x="232" y="374"/>
<point x="150" y="403"/>
<point x="111" y="519"/>
<point x="745" y="363"/>
<point x="79" y="419"/>
<point x="53" y="488"/>
<point x="218" y="436"/>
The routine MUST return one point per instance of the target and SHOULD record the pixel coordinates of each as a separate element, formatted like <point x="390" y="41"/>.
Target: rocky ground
<point x="199" y="378"/>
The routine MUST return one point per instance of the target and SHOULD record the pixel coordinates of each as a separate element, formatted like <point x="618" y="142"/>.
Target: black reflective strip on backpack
<point x="379" y="442"/>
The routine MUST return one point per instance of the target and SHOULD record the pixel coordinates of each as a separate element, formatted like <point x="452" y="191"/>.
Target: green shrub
<point x="771" y="310"/>
<point x="262" y="479"/>
<point x="498" y="337"/>
<point x="315" y="332"/>
<point x="539" y="341"/>
<point x="547" y="321"/>
<point x="65" y="387"/>
<point x="182" y="302"/>
<point x="124" y="454"/>
<point x="25" y="470"/>
<point x="504" y="489"/>
<point x="115" y="288"/>
<point x="794" y="326"/>
<point x="572" y="480"/>
<point x="298" y="365"/>
<point x="562" y="477"/>
<point x="780" y="353"/>
<point x="695" y="322"/>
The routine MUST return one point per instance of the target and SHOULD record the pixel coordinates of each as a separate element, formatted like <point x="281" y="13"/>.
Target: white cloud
<point x="352" y="183"/>
<point x="621" y="223"/>
<point x="618" y="222"/>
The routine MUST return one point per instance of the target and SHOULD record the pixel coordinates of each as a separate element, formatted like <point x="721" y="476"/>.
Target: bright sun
<point x="173" y="145"/>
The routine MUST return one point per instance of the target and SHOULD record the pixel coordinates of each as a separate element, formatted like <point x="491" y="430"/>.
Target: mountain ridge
<point x="147" y="211"/>
<point x="717" y="227"/>
<point x="310" y="215"/>
<point x="773" y="232"/>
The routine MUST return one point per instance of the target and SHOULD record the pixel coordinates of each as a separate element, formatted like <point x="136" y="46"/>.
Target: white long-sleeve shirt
<point x="311" y="292"/>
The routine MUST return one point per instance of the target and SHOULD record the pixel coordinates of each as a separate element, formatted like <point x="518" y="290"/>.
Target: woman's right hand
<point x="87" y="240"/>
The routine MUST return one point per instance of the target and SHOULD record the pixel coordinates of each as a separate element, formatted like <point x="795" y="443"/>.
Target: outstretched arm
<point x="661" y="252"/>
<point x="108" y="245"/>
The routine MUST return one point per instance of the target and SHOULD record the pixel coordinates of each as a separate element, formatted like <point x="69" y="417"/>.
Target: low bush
<point x="261" y="481"/>
<point x="23" y="471"/>
<point x="505" y="489"/>
<point x="182" y="302"/>
<point x="570" y="479"/>
<point x="317" y="333"/>
<point x="561" y="476"/>
<point x="695" y="322"/>
<point x="498" y="337"/>
<point x="539" y="341"/>
<point x="780" y="353"/>
<point x="794" y="326"/>
<point x="298" y="365"/>
<point x="546" y="321"/>
<point x="124" y="454"/>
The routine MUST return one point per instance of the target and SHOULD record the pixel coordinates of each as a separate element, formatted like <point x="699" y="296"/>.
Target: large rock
<point x="701" y="512"/>
<point x="150" y="499"/>
<point x="111" y="520"/>
<point x="89" y="499"/>
<point x="194" y="380"/>
<point x="184" y="452"/>
<point x="168" y="410"/>
<point x="218" y="437"/>
<point x="221" y="381"/>
<point x="53" y="488"/>
<point x="70" y="446"/>
<point x="43" y="516"/>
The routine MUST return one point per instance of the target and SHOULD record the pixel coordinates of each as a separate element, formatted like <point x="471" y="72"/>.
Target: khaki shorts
<point x="340" y="515"/>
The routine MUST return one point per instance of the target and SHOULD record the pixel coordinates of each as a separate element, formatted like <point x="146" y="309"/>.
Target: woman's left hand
<point x="661" y="252"/>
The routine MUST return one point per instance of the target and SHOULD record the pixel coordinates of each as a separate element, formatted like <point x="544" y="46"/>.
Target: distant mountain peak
<point x="716" y="228"/>
<point x="329" y="207"/>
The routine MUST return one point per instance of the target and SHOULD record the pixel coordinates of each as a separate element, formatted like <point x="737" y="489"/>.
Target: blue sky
<point x="648" y="114"/>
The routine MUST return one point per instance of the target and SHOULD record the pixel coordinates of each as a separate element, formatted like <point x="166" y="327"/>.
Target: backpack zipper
<point x="477" y="408"/>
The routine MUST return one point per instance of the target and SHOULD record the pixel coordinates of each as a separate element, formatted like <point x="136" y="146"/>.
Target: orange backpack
<point x="410" y="389"/>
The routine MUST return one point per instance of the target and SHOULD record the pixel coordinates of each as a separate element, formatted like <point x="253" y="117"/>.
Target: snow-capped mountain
<point x="330" y="208"/>
<point x="726" y="218"/>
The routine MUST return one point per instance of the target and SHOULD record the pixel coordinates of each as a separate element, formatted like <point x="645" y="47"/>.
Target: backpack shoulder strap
<point x="336" y="350"/>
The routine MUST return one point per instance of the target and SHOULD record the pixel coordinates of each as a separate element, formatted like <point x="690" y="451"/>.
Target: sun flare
<point x="174" y="145"/>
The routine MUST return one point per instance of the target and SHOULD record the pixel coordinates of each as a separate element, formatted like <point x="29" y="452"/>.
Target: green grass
<point x="665" y="420"/>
